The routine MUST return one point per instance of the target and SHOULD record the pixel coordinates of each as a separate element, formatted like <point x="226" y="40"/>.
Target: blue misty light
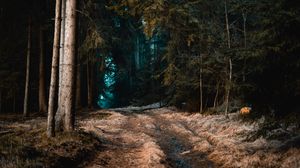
<point x="144" y="22"/>
<point x="117" y="22"/>
<point x="106" y="98"/>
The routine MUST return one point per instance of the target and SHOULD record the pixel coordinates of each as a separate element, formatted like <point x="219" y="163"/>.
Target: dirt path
<point x="144" y="139"/>
<point x="165" y="138"/>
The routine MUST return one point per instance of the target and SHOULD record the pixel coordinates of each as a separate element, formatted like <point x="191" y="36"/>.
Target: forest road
<point x="151" y="138"/>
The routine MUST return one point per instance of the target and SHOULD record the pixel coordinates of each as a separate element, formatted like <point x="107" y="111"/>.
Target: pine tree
<point x="68" y="82"/>
<point x="54" y="71"/>
<point x="25" y="112"/>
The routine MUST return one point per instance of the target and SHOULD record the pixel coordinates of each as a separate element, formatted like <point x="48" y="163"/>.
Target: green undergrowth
<point x="33" y="149"/>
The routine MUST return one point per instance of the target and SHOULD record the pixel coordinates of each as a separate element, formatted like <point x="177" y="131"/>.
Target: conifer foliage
<point x="239" y="50"/>
<point x="199" y="55"/>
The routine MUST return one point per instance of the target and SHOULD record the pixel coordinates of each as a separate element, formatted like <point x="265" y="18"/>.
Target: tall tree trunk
<point x="62" y="45"/>
<point x="137" y="53"/>
<point x="69" y="65"/>
<point x="42" y="89"/>
<point x="14" y="102"/>
<point x="227" y="25"/>
<point x="245" y="44"/>
<point x="244" y="29"/>
<point x="92" y="86"/>
<point x="78" y="72"/>
<point x="78" y="85"/>
<point x="53" y="83"/>
<point x="25" y="109"/>
<point x="0" y="100"/>
<point x="130" y="72"/>
<point x="228" y="85"/>
<point x="89" y="84"/>
<point x="201" y="87"/>
<point x="216" y="96"/>
<point x="60" y="114"/>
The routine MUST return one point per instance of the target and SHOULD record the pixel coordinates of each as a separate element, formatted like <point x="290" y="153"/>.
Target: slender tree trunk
<point x="216" y="96"/>
<point x="130" y="73"/>
<point x="69" y="65"/>
<point x="54" y="70"/>
<point x="244" y="29"/>
<point x="25" y="112"/>
<point x="14" y="102"/>
<point x="42" y="89"/>
<point x="228" y="85"/>
<point x="78" y="72"/>
<point x="92" y="86"/>
<point x="0" y="100"/>
<point x="89" y="84"/>
<point x="137" y="53"/>
<point x="60" y="114"/>
<point x="88" y="81"/>
<point x="201" y="87"/>
<point x="227" y="25"/>
<point x="245" y="45"/>
<point x="62" y="45"/>
<point x="78" y="85"/>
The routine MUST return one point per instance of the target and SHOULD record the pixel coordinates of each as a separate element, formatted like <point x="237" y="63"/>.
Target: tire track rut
<point x="144" y="139"/>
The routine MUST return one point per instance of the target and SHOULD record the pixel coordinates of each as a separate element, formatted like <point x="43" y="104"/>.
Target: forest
<point x="150" y="83"/>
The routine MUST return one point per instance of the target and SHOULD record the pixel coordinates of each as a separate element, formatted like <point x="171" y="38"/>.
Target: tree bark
<point x="42" y="89"/>
<point x="228" y="85"/>
<point x="60" y="114"/>
<point x="245" y="44"/>
<point x="53" y="83"/>
<point x="227" y="25"/>
<point x="244" y="29"/>
<point x="89" y="84"/>
<point x="25" y="109"/>
<point x="0" y="100"/>
<point x="62" y="45"/>
<point x="92" y="81"/>
<point x="78" y="86"/>
<point x="78" y="70"/>
<point x="14" y="102"/>
<point x="216" y="96"/>
<point x="201" y="87"/>
<point x="137" y="53"/>
<point x="130" y="72"/>
<point x="69" y="65"/>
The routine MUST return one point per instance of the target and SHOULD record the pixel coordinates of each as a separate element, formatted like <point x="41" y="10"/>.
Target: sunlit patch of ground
<point x="166" y="138"/>
<point x="150" y="137"/>
<point x="226" y="141"/>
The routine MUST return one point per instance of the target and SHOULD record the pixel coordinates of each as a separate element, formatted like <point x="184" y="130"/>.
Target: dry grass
<point x="26" y="145"/>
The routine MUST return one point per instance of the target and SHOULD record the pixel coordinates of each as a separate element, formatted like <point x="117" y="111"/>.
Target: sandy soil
<point x="165" y="138"/>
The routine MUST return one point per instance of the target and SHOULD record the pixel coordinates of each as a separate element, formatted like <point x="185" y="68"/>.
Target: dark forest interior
<point x="66" y="61"/>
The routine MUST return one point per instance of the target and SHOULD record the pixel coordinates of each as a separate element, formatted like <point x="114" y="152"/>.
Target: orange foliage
<point x="245" y="110"/>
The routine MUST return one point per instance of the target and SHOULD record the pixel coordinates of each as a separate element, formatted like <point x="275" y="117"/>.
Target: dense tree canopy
<point x="190" y="53"/>
<point x="149" y="83"/>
